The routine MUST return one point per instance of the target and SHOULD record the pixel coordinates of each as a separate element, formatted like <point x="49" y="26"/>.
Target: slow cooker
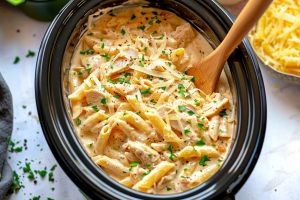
<point x="242" y="71"/>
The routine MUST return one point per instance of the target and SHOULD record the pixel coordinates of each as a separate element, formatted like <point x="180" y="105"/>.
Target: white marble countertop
<point x="276" y="175"/>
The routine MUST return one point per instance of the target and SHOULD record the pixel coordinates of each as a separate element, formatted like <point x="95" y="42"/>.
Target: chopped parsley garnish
<point x="169" y="189"/>
<point x="123" y="32"/>
<point x="201" y="126"/>
<point x="79" y="73"/>
<point x="27" y="168"/>
<point x="186" y="131"/>
<point x="180" y="86"/>
<point x="90" y="34"/>
<point x="157" y="20"/>
<point x="164" y="52"/>
<point x="117" y="96"/>
<point x="95" y="108"/>
<point x="89" y="52"/>
<point x="127" y="74"/>
<point x="13" y="148"/>
<point x="104" y="101"/>
<point x="181" y="108"/>
<point x="78" y="121"/>
<point x="193" y="79"/>
<point x="105" y="56"/>
<point x="143" y="58"/>
<point x="16" y="184"/>
<point x="50" y="177"/>
<point x="30" y="54"/>
<point x="141" y="27"/>
<point x="149" y="155"/>
<point x="150" y="22"/>
<point x="163" y="88"/>
<point x="147" y="172"/>
<point x="89" y="70"/>
<point x="148" y="165"/>
<point x="111" y="81"/>
<point x="35" y="198"/>
<point x="134" y="164"/>
<point x="197" y="102"/>
<point x="147" y="91"/>
<point x="200" y="143"/>
<point x="127" y="81"/>
<point x="203" y="160"/>
<point x="172" y="155"/>
<point x="102" y="46"/>
<point x="145" y="48"/>
<point x="121" y="80"/>
<point x="133" y="17"/>
<point x="223" y="113"/>
<point x="53" y="167"/>
<point x="181" y="92"/>
<point x="17" y="60"/>
<point x="141" y="64"/>
<point x="42" y="173"/>
<point x="190" y="112"/>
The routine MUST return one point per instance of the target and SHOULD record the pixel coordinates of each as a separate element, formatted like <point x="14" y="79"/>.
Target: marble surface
<point x="276" y="175"/>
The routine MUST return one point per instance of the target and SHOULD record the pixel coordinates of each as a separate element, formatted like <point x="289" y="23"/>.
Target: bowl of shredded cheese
<point x="276" y="40"/>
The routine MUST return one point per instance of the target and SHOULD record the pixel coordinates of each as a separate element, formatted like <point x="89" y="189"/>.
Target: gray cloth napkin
<point x="6" y="125"/>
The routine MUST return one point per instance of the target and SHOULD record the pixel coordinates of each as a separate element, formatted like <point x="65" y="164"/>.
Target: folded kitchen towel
<point x="6" y="125"/>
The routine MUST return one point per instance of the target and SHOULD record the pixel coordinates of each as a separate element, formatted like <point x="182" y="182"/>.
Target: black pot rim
<point x="70" y="155"/>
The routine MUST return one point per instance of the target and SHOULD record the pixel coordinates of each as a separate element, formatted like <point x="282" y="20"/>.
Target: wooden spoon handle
<point x="250" y="14"/>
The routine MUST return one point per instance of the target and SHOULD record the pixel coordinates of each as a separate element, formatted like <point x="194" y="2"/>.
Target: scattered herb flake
<point x="141" y="27"/>
<point x="16" y="184"/>
<point x="104" y="101"/>
<point x="200" y="143"/>
<point x="30" y="54"/>
<point x="190" y="112"/>
<point x="89" y="52"/>
<point x="172" y="155"/>
<point x="186" y="131"/>
<point x="78" y="121"/>
<point x="42" y="173"/>
<point x="116" y="96"/>
<point x="95" y="108"/>
<point x="141" y="64"/>
<point x="201" y="126"/>
<point x="223" y="113"/>
<point x="134" y="164"/>
<point x="17" y="60"/>
<point x="203" y="160"/>
<point x="105" y="56"/>
<point x="181" y="108"/>
<point x="121" y="80"/>
<point x="123" y="32"/>
<point x="147" y="91"/>
<point x="181" y="86"/>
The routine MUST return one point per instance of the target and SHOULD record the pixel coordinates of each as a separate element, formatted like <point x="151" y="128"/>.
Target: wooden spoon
<point x="207" y="72"/>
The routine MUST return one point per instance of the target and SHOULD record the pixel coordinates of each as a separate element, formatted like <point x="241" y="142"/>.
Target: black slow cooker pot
<point x="244" y="78"/>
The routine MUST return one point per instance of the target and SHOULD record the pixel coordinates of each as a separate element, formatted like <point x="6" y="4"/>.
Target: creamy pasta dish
<point x="136" y="112"/>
